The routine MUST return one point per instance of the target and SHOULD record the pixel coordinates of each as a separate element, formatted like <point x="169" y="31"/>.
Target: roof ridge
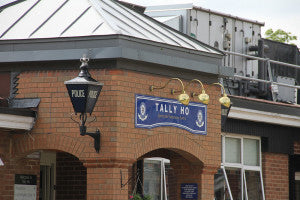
<point x="100" y="11"/>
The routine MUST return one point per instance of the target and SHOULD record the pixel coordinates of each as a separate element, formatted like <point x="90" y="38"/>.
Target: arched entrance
<point x="55" y="163"/>
<point x="59" y="175"/>
<point x="166" y="174"/>
<point x="70" y="177"/>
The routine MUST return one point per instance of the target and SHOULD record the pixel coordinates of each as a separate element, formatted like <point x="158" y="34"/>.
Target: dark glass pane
<point x="220" y="188"/>
<point x="253" y="184"/>
<point x="168" y="173"/>
<point x="234" y="179"/>
<point x="152" y="178"/>
<point x="297" y="189"/>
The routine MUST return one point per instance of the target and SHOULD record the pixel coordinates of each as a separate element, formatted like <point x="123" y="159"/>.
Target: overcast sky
<point x="277" y="14"/>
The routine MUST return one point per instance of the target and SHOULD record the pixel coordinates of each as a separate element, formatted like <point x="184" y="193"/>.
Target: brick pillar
<point x="104" y="179"/>
<point x="183" y="172"/>
<point x="276" y="176"/>
<point x="207" y="186"/>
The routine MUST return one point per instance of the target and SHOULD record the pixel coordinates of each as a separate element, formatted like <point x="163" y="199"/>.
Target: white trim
<point x="297" y="176"/>
<point x="242" y="166"/>
<point x="227" y="182"/>
<point x="244" y="184"/>
<point x="16" y="122"/>
<point x="1" y="162"/>
<point x="262" y="116"/>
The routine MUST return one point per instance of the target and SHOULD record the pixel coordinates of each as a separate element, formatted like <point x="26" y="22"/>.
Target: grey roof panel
<point x="33" y="19"/>
<point x="11" y="16"/>
<point x="62" y="19"/>
<point x="72" y="18"/>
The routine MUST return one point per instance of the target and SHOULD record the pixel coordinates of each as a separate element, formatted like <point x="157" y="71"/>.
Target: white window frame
<point x="163" y="184"/>
<point x="241" y="165"/>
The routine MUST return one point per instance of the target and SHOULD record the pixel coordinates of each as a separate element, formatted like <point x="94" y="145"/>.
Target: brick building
<point x="43" y="155"/>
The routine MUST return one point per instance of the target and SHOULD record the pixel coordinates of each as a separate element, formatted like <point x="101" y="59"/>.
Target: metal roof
<point x="32" y="19"/>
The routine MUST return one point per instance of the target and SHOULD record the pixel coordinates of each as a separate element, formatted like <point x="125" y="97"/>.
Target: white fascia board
<point x="9" y="121"/>
<point x="265" y="117"/>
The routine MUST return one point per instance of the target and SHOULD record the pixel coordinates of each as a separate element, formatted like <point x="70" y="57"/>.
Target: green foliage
<point x="139" y="197"/>
<point x="280" y="36"/>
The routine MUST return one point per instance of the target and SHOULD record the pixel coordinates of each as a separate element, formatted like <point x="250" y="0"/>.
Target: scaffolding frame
<point x="268" y="61"/>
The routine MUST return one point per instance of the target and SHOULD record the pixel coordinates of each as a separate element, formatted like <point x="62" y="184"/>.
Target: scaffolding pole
<point x="269" y="69"/>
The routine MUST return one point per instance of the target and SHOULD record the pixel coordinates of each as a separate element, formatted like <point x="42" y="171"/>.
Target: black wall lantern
<point x="84" y="92"/>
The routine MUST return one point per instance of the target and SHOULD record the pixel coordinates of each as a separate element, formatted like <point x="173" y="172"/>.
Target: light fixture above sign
<point x="203" y="97"/>
<point x="84" y="92"/>
<point x="168" y="113"/>
<point x="182" y="98"/>
<point x="224" y="100"/>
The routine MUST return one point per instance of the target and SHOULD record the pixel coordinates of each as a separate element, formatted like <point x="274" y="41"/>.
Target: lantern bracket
<point x="95" y="135"/>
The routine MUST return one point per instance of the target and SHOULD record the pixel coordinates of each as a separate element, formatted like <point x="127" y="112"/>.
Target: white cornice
<point x="9" y="121"/>
<point x="262" y="116"/>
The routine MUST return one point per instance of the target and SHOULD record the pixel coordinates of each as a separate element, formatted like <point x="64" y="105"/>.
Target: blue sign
<point x="151" y="112"/>
<point x="189" y="191"/>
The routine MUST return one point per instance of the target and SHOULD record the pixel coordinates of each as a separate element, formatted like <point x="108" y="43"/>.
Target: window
<point x="155" y="178"/>
<point x="240" y="170"/>
<point x="220" y="185"/>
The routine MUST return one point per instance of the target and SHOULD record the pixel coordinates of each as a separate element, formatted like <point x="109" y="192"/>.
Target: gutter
<point x="111" y="47"/>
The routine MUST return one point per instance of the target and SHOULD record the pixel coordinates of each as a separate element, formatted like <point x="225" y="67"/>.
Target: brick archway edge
<point x="171" y="141"/>
<point x="24" y="145"/>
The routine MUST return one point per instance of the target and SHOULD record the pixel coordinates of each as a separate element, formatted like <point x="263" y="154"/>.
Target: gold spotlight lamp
<point x="203" y="97"/>
<point x="182" y="98"/>
<point x="224" y="100"/>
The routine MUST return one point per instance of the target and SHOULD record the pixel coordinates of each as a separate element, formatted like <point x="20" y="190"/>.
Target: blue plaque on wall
<point x="151" y="112"/>
<point x="189" y="191"/>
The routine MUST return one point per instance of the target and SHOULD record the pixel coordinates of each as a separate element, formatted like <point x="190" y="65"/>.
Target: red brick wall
<point x="184" y="172"/>
<point x="70" y="178"/>
<point x="104" y="183"/>
<point x="115" y="118"/>
<point x="5" y="142"/>
<point x="275" y="176"/>
<point x="297" y="147"/>
<point x="5" y="87"/>
<point x="114" y="111"/>
<point x="13" y="166"/>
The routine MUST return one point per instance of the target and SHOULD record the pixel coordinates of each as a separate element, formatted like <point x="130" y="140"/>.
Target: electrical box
<point x="286" y="94"/>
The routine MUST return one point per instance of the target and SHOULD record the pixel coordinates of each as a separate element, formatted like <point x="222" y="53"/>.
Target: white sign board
<point x="25" y="187"/>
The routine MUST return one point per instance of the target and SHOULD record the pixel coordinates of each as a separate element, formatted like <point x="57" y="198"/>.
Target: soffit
<point x="264" y="111"/>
